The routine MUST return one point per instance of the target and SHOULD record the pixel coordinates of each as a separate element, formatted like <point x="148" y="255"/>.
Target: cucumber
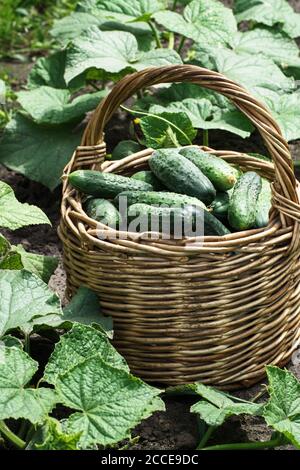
<point x="188" y="221"/>
<point x="159" y="198"/>
<point x="181" y="175"/>
<point x="222" y="175"/>
<point x="158" y="219"/>
<point x="213" y="226"/>
<point x="260" y="157"/>
<point x="264" y="204"/>
<point x="102" y="211"/>
<point x="106" y="185"/>
<point x="125" y="148"/>
<point x="148" y="177"/>
<point x="243" y="202"/>
<point x="220" y="205"/>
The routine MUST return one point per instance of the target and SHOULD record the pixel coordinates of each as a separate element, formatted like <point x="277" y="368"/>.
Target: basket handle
<point x="285" y="182"/>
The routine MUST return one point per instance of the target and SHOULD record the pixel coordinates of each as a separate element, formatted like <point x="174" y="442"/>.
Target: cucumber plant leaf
<point x="81" y="342"/>
<point x="217" y="407"/>
<point x="17" y="400"/>
<point x="41" y="265"/>
<point x="286" y="111"/>
<point x="84" y="308"/>
<point x="49" y="71"/>
<point x="53" y="106"/>
<point x="282" y="412"/>
<point x="24" y="298"/>
<point x="135" y="10"/>
<point x="38" y="152"/>
<point x="109" y="402"/>
<point x="51" y="436"/>
<point x="205" y="21"/>
<point x="275" y="45"/>
<point x="14" y="214"/>
<point x="270" y="13"/>
<point x="113" y="52"/>
<point x="258" y="74"/>
<point x="174" y="129"/>
<point x="204" y="115"/>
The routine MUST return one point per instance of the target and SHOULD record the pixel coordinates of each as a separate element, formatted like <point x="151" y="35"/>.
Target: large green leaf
<point x="270" y="13"/>
<point x="75" y="346"/>
<point x="217" y="407"/>
<point x="273" y="44"/>
<point x="40" y="153"/>
<point x="84" y="308"/>
<point x="25" y="297"/>
<point x="282" y="411"/>
<point x="17" y="400"/>
<point x="286" y="111"/>
<point x="14" y="214"/>
<point x="258" y="74"/>
<point x="41" y="265"/>
<point x="49" y="71"/>
<point x="204" y="115"/>
<point x="48" y="105"/>
<point x="112" y="51"/>
<point x="205" y="21"/>
<point x="172" y="130"/>
<point x="133" y="10"/>
<point x="109" y="401"/>
<point x="193" y="100"/>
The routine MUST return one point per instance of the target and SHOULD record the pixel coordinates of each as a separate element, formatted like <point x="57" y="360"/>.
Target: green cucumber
<point x="264" y="204"/>
<point x="106" y="185"/>
<point x="243" y="202"/>
<point x="159" y="198"/>
<point x="125" y="148"/>
<point x="222" y="175"/>
<point x="181" y="175"/>
<point x="220" y="205"/>
<point x="102" y="211"/>
<point x="153" y="218"/>
<point x="148" y="177"/>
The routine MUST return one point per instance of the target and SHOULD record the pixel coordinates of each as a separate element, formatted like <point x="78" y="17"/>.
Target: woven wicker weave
<point x="216" y="312"/>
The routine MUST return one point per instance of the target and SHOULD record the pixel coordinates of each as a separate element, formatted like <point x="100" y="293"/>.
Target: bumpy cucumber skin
<point x="103" y="211"/>
<point x="159" y="198"/>
<point x="181" y="175"/>
<point x="222" y="175"/>
<point x="105" y="185"/>
<point x="243" y="202"/>
<point x="220" y="205"/>
<point x="264" y="204"/>
<point x="125" y="148"/>
<point x="189" y="214"/>
<point x="150" y="178"/>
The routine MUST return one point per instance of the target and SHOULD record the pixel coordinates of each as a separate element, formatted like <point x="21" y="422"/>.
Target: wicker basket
<point x="217" y="313"/>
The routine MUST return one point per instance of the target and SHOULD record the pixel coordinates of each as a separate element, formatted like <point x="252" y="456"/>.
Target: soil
<point x="176" y="428"/>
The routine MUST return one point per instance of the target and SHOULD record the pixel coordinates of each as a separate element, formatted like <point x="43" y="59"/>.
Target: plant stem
<point x="259" y="395"/>
<point x="15" y="440"/>
<point x="174" y="4"/>
<point x="182" y="41"/>
<point x="27" y="343"/>
<point x="133" y="111"/>
<point x="155" y="34"/>
<point x="247" y="445"/>
<point x="90" y="82"/>
<point x="206" y="437"/>
<point x="205" y="137"/>
<point x="171" y="41"/>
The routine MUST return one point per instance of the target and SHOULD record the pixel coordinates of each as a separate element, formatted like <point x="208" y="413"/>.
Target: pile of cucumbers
<point x="184" y="182"/>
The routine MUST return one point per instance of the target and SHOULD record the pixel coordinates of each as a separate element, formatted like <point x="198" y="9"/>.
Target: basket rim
<point x="251" y="241"/>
